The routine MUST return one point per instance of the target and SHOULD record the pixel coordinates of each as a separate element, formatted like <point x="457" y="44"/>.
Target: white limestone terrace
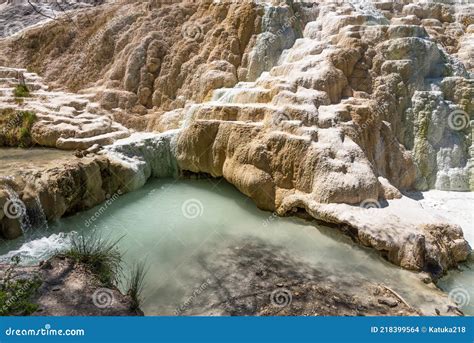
<point x="458" y="207"/>
<point x="65" y="121"/>
<point x="304" y="97"/>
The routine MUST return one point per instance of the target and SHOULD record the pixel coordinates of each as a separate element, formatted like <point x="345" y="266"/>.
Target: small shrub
<point x="21" y="91"/>
<point x="29" y="118"/>
<point x="15" y="128"/>
<point x="16" y="294"/>
<point x="99" y="255"/>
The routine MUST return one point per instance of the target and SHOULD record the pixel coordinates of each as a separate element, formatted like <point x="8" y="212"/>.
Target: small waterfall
<point x="223" y="95"/>
<point x="243" y="92"/>
<point x="41" y="222"/>
<point x="189" y="115"/>
<point x="281" y="27"/>
<point x="32" y="218"/>
<point x="15" y="208"/>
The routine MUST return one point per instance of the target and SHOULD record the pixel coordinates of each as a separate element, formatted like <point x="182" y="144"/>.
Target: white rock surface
<point x="457" y="207"/>
<point x="65" y="120"/>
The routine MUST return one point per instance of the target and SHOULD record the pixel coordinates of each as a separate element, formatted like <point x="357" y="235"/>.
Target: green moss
<point x="423" y="128"/>
<point x="21" y="91"/>
<point x="15" y="128"/>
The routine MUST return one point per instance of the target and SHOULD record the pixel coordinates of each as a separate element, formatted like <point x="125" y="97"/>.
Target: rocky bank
<point x="61" y="287"/>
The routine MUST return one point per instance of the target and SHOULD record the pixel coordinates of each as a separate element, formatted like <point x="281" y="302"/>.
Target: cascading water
<point x="35" y="250"/>
<point x="16" y="209"/>
<point x="40" y="218"/>
<point x="440" y="139"/>
<point x="281" y="26"/>
<point x="153" y="155"/>
<point x="189" y="113"/>
<point x="31" y="219"/>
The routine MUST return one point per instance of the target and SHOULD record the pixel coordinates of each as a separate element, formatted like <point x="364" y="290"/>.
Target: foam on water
<point x="39" y="249"/>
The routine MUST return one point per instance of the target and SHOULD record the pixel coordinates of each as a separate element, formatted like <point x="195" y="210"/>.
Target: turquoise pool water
<point x="182" y="228"/>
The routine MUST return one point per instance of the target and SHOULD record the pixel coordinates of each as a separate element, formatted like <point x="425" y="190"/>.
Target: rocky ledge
<point x="60" y="287"/>
<point x="29" y="197"/>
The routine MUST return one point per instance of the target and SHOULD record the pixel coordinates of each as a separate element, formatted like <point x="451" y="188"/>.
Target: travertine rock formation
<point x="73" y="186"/>
<point x="194" y="48"/>
<point x="62" y="120"/>
<point x="320" y="106"/>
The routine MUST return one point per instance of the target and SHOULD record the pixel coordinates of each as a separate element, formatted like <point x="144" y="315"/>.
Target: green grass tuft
<point x="21" y="91"/>
<point x="15" y="128"/>
<point x="136" y="284"/>
<point x="99" y="255"/>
